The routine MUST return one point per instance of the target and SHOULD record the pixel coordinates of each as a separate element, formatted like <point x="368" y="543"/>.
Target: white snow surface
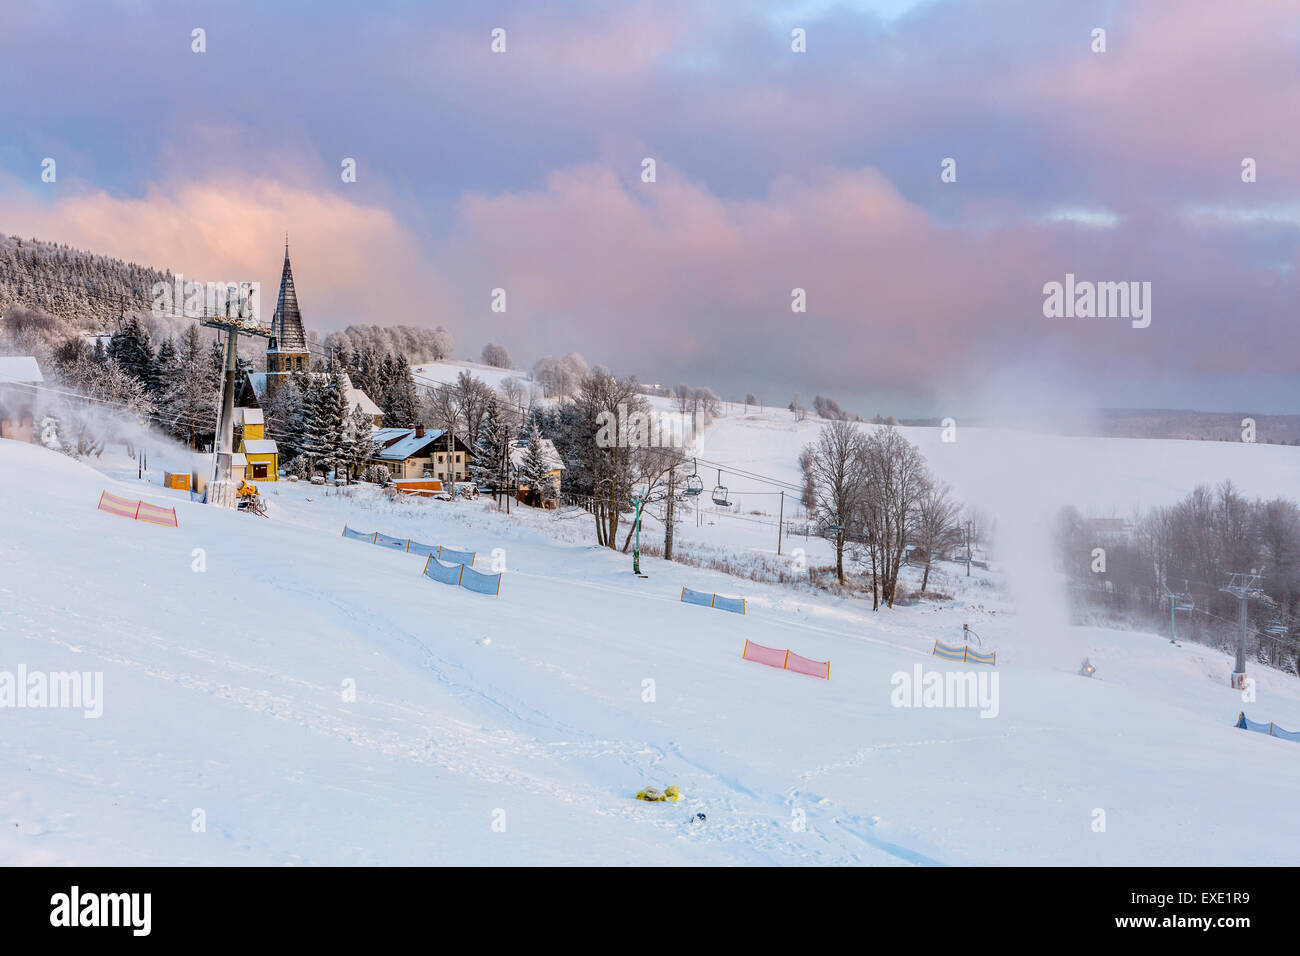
<point x="223" y="689"/>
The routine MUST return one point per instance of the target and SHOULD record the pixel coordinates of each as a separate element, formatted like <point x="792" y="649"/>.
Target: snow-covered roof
<point x="253" y="416"/>
<point x="519" y="450"/>
<point x="400" y="444"/>
<point x="359" y="399"/>
<point x="20" y="368"/>
<point x="356" y="397"/>
<point x="240" y="460"/>
<point x="260" y="446"/>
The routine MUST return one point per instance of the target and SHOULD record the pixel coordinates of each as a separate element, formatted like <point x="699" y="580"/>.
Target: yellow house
<point x="261" y="454"/>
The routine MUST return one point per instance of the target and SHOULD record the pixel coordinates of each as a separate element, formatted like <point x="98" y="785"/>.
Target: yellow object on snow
<point x="655" y="795"/>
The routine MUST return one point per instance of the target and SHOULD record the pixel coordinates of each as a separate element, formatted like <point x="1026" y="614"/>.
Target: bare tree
<point x="607" y="468"/>
<point x="835" y="481"/>
<point x="938" y="523"/>
<point x="896" y="474"/>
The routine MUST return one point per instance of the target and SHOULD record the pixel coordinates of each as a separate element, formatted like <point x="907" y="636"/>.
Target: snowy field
<point x="515" y="729"/>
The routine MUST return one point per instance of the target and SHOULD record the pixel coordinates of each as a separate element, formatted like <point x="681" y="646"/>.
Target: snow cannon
<point x="247" y="498"/>
<point x="655" y="795"/>
<point x="1086" y="669"/>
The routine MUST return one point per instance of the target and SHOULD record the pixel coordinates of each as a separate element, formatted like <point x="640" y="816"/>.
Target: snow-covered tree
<point x="325" y="415"/>
<point x="495" y="355"/>
<point x="397" y="397"/>
<point x="359" y="444"/>
<point x="491" y="453"/>
<point x="189" y="388"/>
<point x="285" y="412"/>
<point x="535" y="470"/>
<point x="131" y="348"/>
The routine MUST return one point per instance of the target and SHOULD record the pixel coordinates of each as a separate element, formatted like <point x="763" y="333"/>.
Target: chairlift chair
<point x="694" y="484"/>
<point x="720" y="492"/>
<point x="1276" y="627"/>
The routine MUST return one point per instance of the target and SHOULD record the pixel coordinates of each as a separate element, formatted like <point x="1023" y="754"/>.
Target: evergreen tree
<point x="493" y="447"/>
<point x="535" y="470"/>
<point x="130" y="347"/>
<point x="399" y="400"/>
<point x="359" y="444"/>
<point x="286" y="416"/>
<point x="325" y="419"/>
<point x="189" y="387"/>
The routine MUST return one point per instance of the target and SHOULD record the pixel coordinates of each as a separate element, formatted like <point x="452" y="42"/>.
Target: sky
<point x="775" y="170"/>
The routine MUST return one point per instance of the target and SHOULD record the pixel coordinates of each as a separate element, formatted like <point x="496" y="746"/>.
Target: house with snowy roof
<point x="420" y="452"/>
<point x="261" y="454"/>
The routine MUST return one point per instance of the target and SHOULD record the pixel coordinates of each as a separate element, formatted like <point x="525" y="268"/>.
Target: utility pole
<point x="779" y="520"/>
<point x="639" y="501"/>
<point x="968" y="554"/>
<point x="451" y="457"/>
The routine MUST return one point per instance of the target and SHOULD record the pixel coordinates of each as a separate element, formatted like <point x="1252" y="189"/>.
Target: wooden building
<point x="419" y="452"/>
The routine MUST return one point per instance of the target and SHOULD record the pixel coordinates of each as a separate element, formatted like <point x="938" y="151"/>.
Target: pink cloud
<point x="352" y="262"/>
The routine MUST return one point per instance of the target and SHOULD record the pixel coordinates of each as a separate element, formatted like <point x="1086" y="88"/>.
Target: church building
<point x="287" y="354"/>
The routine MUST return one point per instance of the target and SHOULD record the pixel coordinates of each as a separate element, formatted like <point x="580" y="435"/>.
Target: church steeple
<point x="287" y="350"/>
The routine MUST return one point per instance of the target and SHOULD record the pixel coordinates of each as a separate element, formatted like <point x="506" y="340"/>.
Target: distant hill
<point x="86" y="290"/>
<point x="1194" y="425"/>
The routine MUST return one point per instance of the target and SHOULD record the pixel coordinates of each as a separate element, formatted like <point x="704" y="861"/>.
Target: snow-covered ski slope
<point x="515" y="729"/>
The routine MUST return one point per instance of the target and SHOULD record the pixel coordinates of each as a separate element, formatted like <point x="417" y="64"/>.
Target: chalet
<point x="419" y="452"/>
<point x="19" y="378"/>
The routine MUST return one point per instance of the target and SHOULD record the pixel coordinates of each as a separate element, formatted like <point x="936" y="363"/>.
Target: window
<point x="259" y="471"/>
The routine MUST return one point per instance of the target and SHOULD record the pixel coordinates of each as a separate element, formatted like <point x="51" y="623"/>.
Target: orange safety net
<point x="785" y="660"/>
<point x="156" y="515"/>
<point x="118" y="506"/>
<point x="137" y="510"/>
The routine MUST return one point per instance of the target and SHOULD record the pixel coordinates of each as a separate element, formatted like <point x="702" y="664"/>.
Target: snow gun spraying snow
<point x="248" y="499"/>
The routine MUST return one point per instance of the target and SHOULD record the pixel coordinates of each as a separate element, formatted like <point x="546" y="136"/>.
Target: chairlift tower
<point x="221" y="489"/>
<point x="1177" y="602"/>
<point x="1244" y="586"/>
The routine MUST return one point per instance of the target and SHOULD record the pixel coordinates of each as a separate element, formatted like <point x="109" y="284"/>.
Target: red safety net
<point x="802" y="665"/>
<point x="786" y="660"/>
<point x="763" y="655"/>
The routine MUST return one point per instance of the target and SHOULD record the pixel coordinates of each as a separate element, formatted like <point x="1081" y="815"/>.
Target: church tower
<point x="286" y="352"/>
